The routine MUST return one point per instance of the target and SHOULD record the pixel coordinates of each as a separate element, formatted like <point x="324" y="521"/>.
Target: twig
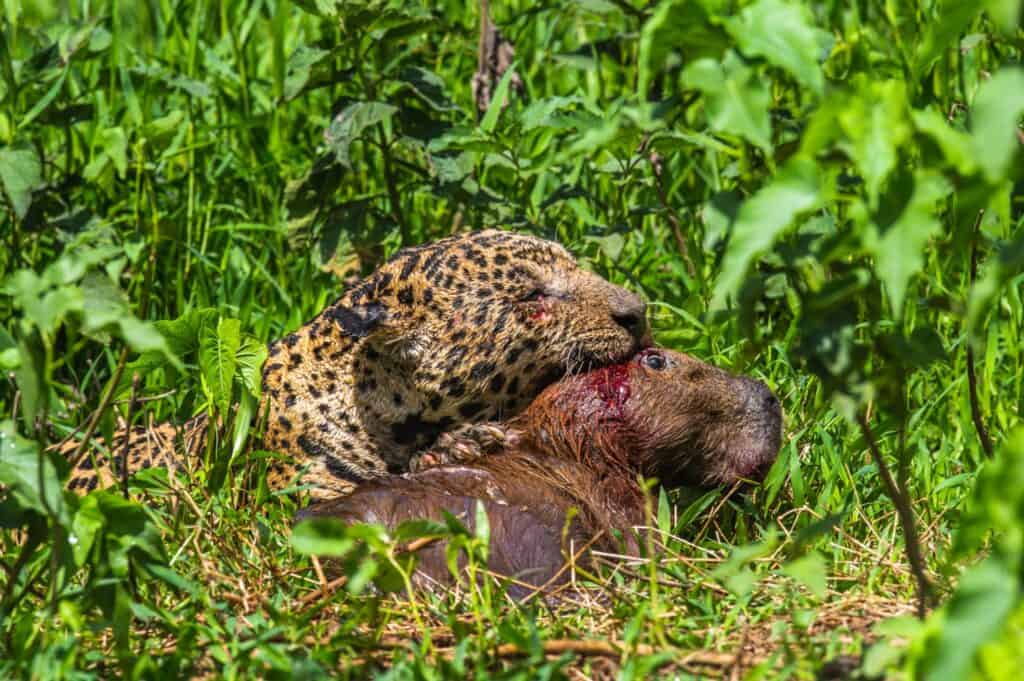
<point x="972" y="376"/>
<point x="906" y="517"/>
<point x="565" y="566"/>
<point x="128" y="435"/>
<point x="657" y="169"/>
<point x="83" y="446"/>
<point x="616" y="649"/>
<point x="393" y="195"/>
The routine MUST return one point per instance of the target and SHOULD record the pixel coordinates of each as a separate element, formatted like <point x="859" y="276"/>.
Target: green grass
<point x="796" y="190"/>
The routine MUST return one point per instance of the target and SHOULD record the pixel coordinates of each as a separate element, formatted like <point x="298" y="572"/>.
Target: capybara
<point x="582" y="444"/>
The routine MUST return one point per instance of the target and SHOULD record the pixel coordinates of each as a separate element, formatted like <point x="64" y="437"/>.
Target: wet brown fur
<point x="581" y="445"/>
<point x="457" y="331"/>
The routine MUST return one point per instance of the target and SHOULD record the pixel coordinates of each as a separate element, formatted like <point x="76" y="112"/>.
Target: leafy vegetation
<point x="825" y="194"/>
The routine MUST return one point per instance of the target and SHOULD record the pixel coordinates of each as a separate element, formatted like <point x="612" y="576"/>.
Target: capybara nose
<point x="760" y="398"/>
<point x="630" y="312"/>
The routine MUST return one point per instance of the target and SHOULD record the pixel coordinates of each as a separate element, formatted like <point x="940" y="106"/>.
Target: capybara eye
<point x="656" y="362"/>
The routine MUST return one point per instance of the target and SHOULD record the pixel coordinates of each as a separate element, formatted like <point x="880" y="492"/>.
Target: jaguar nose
<point x="630" y="312"/>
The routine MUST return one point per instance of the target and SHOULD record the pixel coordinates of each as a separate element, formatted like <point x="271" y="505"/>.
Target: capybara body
<point x="565" y="473"/>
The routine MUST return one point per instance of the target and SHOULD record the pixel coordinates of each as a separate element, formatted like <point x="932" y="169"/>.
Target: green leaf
<point x="29" y="476"/>
<point x="683" y="25"/>
<point x="352" y="122"/>
<point x="1000" y="270"/>
<point x="164" y="125"/>
<point x="105" y="308"/>
<point x="876" y="126"/>
<point x="795" y="190"/>
<point x="250" y="356"/>
<point x="20" y="174"/>
<point x="736" y="99"/>
<point x="784" y="34"/>
<point x="1005" y="14"/>
<point x="498" y="100"/>
<point x="322" y="537"/>
<point x="997" y="109"/>
<point x="811" y="571"/>
<point x="953" y="19"/>
<point x="955" y="145"/>
<point x="429" y="87"/>
<point x="115" y="146"/>
<point x="300" y="67"/>
<point x="975" y="615"/>
<point x="899" y="252"/>
<point x="217" y="360"/>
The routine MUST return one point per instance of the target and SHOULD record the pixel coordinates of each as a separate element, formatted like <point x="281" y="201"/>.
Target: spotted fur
<point x="462" y="330"/>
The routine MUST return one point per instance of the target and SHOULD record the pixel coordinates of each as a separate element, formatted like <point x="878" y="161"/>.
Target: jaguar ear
<point x="387" y="333"/>
<point x="359" y="321"/>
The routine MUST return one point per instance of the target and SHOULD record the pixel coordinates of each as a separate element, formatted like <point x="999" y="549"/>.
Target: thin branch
<point x="393" y="195"/>
<point x="972" y="376"/>
<point x="128" y="435"/>
<point x="657" y="168"/>
<point x="906" y="516"/>
<point x="83" y="446"/>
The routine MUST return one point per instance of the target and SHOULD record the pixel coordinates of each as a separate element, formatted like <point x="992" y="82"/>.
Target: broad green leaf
<point x="1005" y="14"/>
<point x="164" y="125"/>
<point x="944" y="33"/>
<point x="251" y="355"/>
<point x="115" y="146"/>
<point x="30" y="476"/>
<point x="975" y="615"/>
<point x="44" y="307"/>
<point x="85" y="527"/>
<point x="429" y="87"/>
<point x="994" y="122"/>
<point x="899" y="250"/>
<point x="181" y="337"/>
<point x="785" y="35"/>
<point x="811" y="571"/>
<point x="183" y="333"/>
<point x="20" y="174"/>
<point x="683" y="25"/>
<point x="105" y="309"/>
<point x="955" y="145"/>
<point x="736" y="99"/>
<point x="218" y="348"/>
<point x="352" y="122"/>
<point x="876" y="126"/>
<point x="997" y="504"/>
<point x="762" y="218"/>
<point x="322" y="537"/>
<point x="128" y="529"/>
<point x="300" y="66"/>
<point x="1008" y="263"/>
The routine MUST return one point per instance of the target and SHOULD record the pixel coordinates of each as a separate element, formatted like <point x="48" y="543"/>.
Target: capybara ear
<point x="359" y="321"/>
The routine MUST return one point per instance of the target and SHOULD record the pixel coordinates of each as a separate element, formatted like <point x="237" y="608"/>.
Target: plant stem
<point x="906" y="516"/>
<point x="83" y="446"/>
<point x="972" y="376"/>
<point x="393" y="194"/>
<point x="128" y="435"/>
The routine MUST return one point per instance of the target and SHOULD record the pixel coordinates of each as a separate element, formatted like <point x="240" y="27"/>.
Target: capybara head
<point x="664" y="414"/>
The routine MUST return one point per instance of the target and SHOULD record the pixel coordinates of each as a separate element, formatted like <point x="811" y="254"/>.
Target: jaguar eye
<point x="656" y="362"/>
